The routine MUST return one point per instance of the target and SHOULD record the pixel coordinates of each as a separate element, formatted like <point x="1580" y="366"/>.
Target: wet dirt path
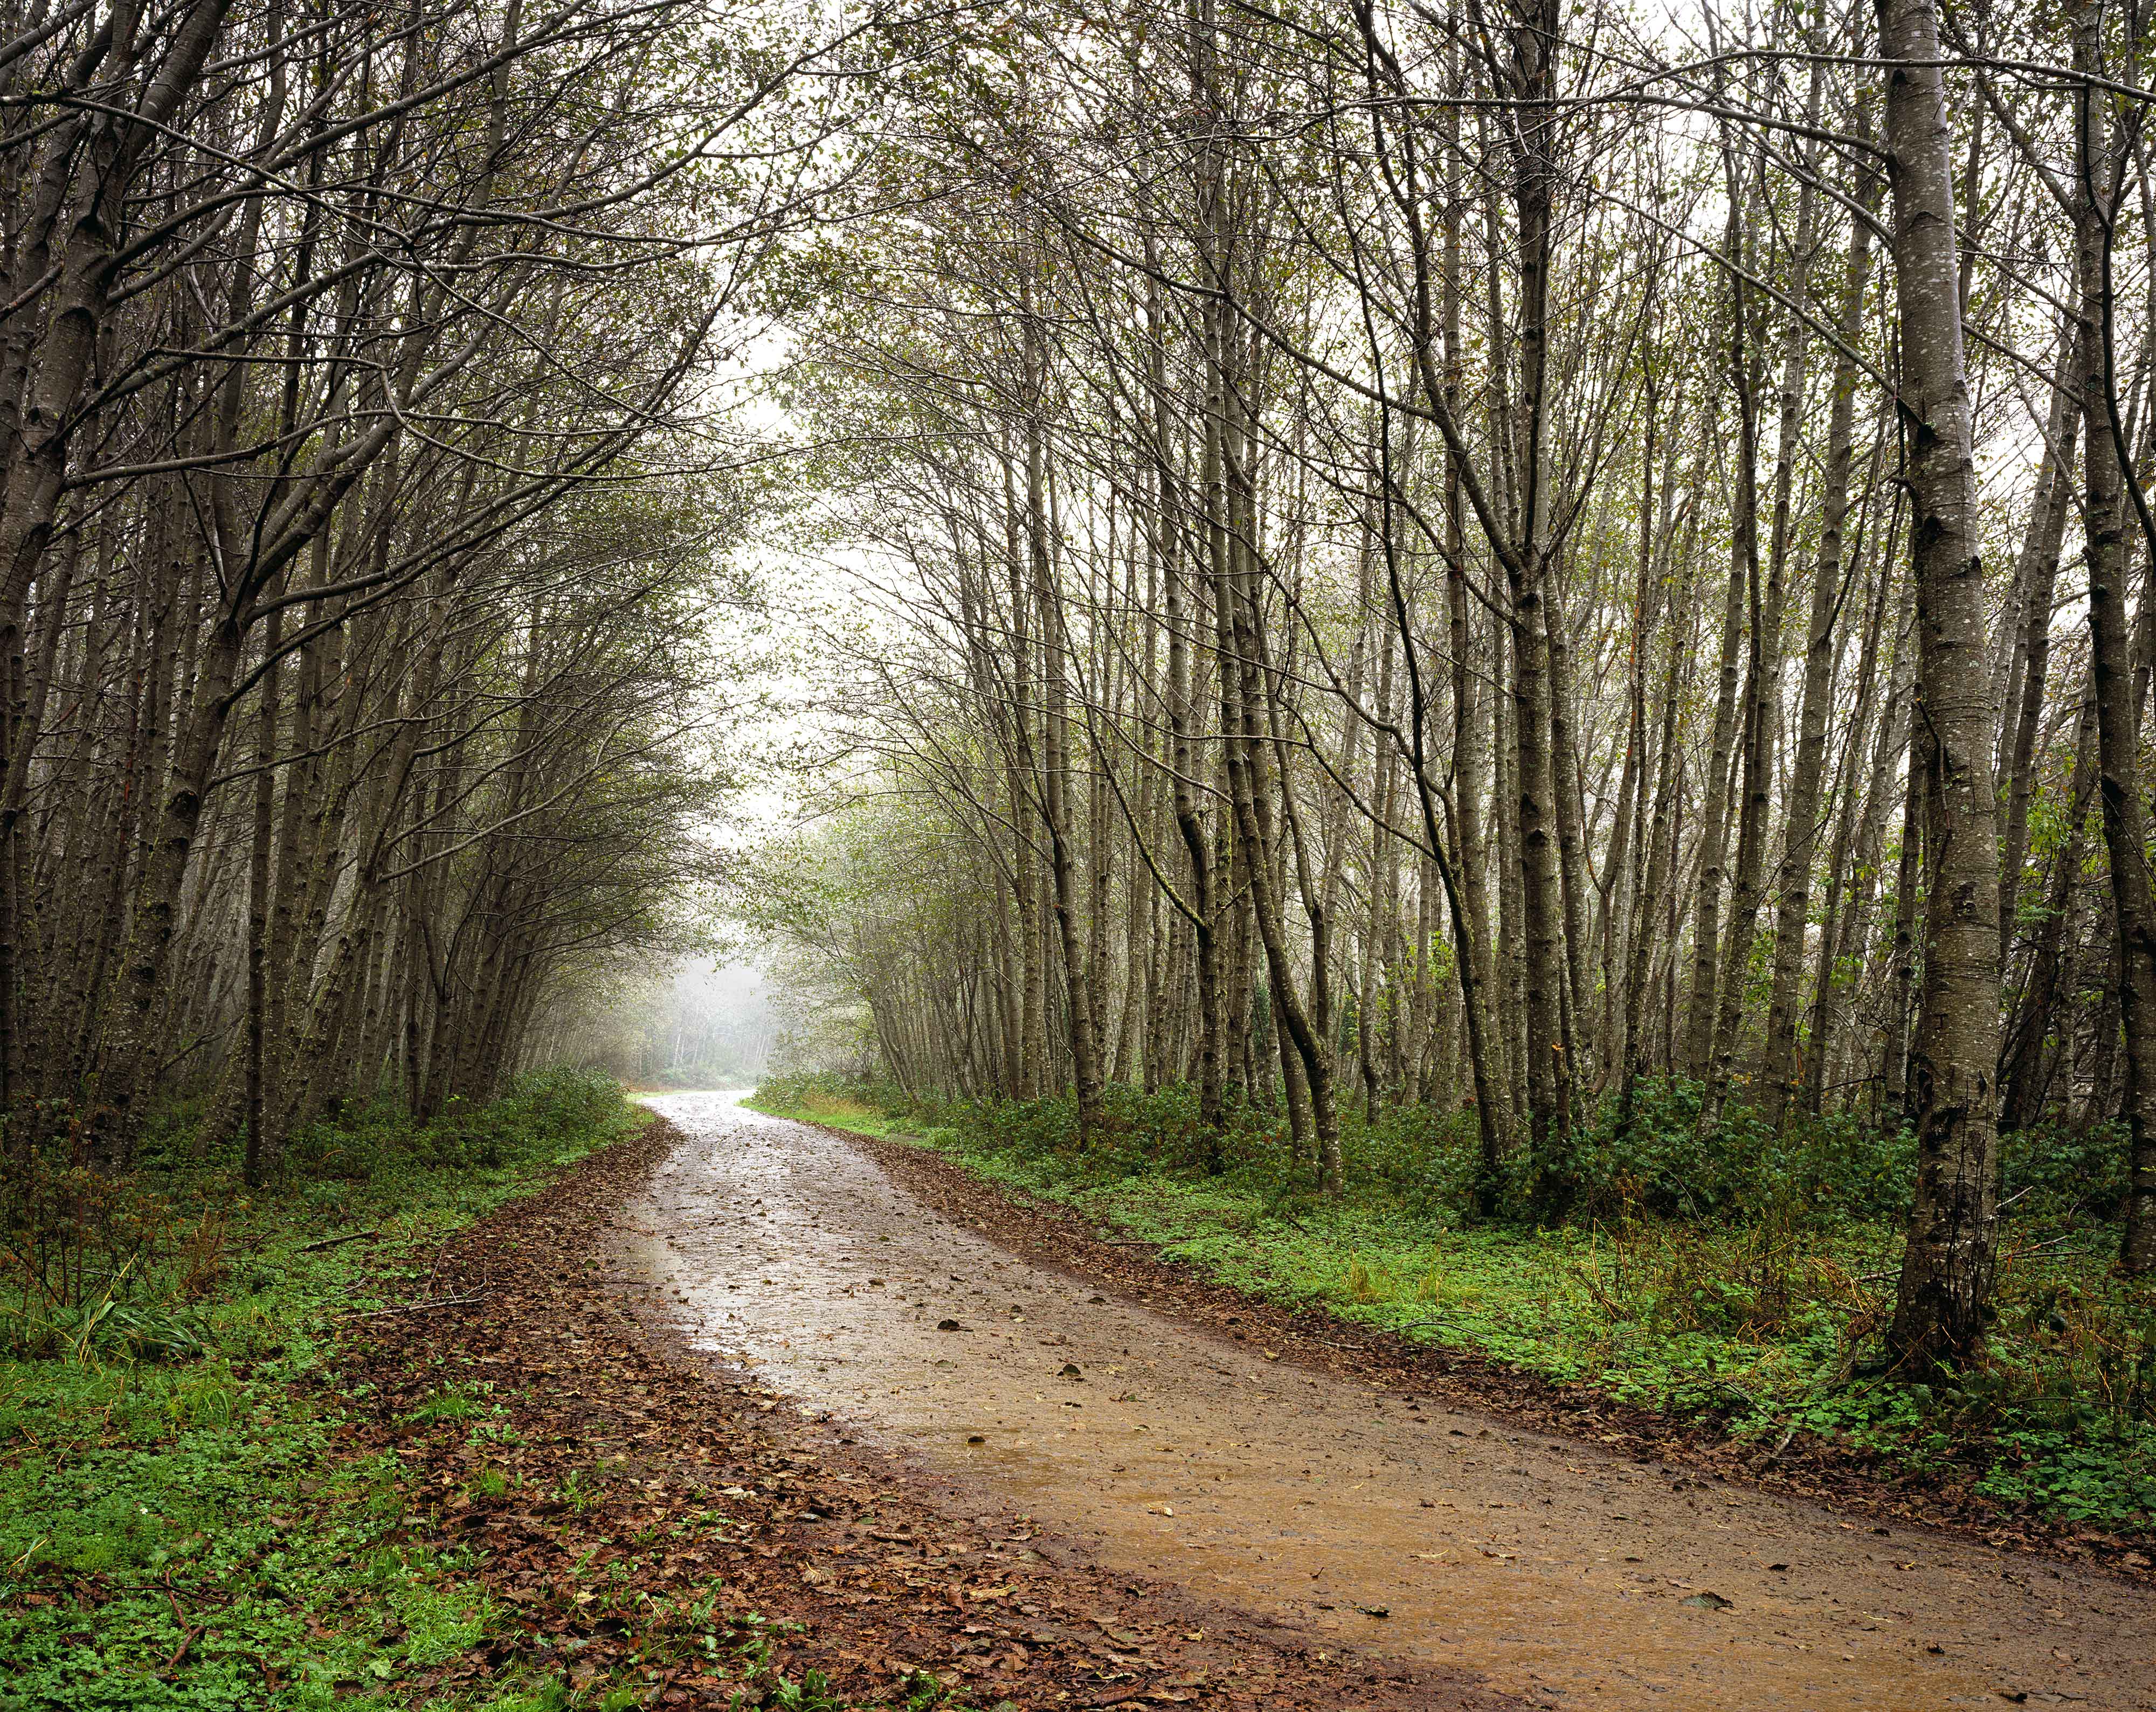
<point x="1559" y="1572"/>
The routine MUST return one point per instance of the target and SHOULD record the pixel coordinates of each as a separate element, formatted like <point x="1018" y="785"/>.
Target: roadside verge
<point x="1805" y="1467"/>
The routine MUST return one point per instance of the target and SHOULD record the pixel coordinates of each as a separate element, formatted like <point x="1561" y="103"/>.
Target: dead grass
<point x="820" y="1104"/>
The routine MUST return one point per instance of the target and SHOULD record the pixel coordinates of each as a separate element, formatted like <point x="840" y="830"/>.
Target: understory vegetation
<point x="181" y="1523"/>
<point x="1744" y="1281"/>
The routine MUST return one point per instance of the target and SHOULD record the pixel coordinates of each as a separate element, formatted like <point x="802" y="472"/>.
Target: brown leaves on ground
<point x="625" y="1501"/>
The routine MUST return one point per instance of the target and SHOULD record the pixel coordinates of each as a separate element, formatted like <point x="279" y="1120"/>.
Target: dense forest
<point x="1521" y="560"/>
<point x="1465" y="560"/>
<point x="368" y="496"/>
<point x="1464" y="685"/>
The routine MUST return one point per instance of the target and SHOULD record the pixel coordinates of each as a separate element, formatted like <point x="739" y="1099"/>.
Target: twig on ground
<point x="334" y="1242"/>
<point x="422" y="1307"/>
<point x="187" y="1635"/>
<point x="442" y="1249"/>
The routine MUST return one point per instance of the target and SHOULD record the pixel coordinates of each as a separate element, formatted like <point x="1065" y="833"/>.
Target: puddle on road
<point x="1179" y="1454"/>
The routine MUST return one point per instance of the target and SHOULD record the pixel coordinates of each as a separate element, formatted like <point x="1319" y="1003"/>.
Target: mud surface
<point x="1553" y="1569"/>
<point x="666" y="1524"/>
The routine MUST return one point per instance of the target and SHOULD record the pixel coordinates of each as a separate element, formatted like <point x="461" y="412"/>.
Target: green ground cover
<point x="179" y="1526"/>
<point x="1744" y="1283"/>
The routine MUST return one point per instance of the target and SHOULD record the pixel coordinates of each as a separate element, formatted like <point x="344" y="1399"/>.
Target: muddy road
<point x="1559" y="1572"/>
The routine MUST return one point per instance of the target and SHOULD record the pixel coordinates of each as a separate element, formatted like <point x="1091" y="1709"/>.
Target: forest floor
<point x="551" y="1412"/>
<point x="1365" y="1494"/>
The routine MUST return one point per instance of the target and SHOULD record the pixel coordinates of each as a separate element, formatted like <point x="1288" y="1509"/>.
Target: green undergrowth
<point x="184" y="1520"/>
<point x="1729" y="1289"/>
<point x="181" y="1524"/>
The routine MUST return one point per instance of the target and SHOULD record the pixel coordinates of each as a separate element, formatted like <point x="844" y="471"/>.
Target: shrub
<point x="1661" y="1162"/>
<point x="2060" y="1172"/>
<point x="76" y="1246"/>
<point x="93" y="1262"/>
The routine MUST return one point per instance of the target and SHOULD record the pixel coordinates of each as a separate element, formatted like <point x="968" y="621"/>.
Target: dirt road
<point x="1559" y="1573"/>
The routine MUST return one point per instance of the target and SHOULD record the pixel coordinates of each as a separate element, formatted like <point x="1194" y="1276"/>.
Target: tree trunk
<point x="2023" y="1076"/>
<point x="1779" y="1074"/>
<point x="2037" y="577"/>
<point x="1945" y="1288"/>
<point x="1714" y="826"/>
<point x="2111" y="642"/>
<point x="1055" y="774"/>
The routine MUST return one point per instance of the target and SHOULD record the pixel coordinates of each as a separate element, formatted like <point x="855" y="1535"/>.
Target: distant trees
<point x="1492" y="557"/>
<point x="684" y="1027"/>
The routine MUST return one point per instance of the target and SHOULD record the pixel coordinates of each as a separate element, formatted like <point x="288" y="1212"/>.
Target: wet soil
<point x="1227" y="1460"/>
<point x="642" y="1516"/>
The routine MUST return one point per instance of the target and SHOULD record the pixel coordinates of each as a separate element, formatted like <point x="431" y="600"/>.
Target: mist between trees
<point x="1527" y="558"/>
<point x="689" y="1027"/>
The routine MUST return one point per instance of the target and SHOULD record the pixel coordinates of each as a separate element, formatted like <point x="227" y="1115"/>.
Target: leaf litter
<point x="640" y="1515"/>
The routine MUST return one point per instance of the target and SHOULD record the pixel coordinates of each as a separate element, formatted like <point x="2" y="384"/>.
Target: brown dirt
<point x="1854" y="1482"/>
<point x="1362" y="1490"/>
<point x="623" y="1448"/>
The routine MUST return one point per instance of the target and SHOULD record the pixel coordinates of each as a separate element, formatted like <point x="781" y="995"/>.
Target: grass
<point x="184" y="1520"/>
<point x="179" y="1524"/>
<point x="1759" y="1315"/>
<point x="821" y="1106"/>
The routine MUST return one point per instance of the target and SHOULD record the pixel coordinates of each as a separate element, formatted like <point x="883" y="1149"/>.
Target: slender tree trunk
<point x="1661" y="842"/>
<point x="257" y="1155"/>
<point x="1714" y="826"/>
<point x="1762" y="708"/>
<point x="1945" y="1286"/>
<point x="1569" y="806"/>
<point x="1848" y="896"/>
<point x="1032" y="1081"/>
<point x="1528" y="569"/>
<point x="2037" y="576"/>
<point x="2024" y="1077"/>
<point x="1056" y="774"/>
<point x="1779" y="1074"/>
<point x="2119" y="789"/>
